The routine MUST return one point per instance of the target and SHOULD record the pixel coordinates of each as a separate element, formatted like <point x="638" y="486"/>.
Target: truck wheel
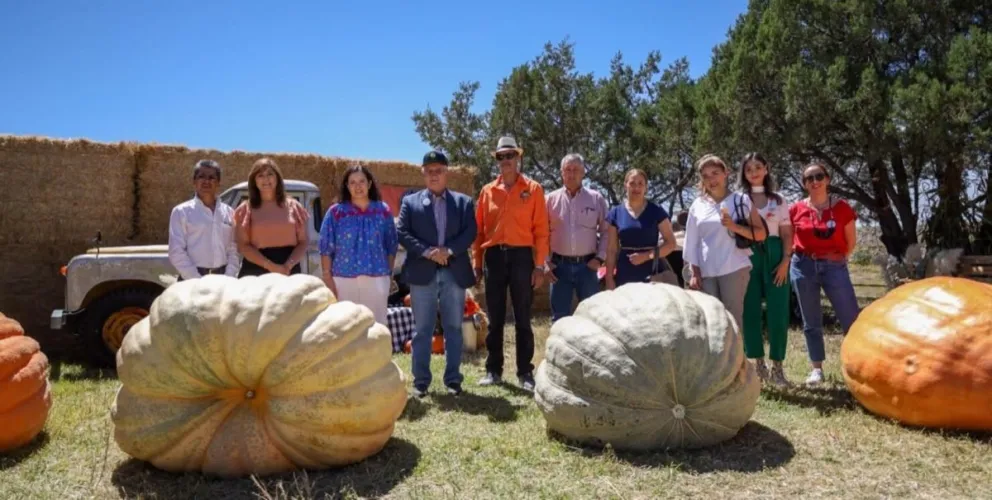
<point x="108" y="319"/>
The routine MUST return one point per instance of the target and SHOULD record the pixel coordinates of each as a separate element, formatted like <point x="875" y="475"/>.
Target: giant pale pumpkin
<point x="255" y="376"/>
<point x="922" y="354"/>
<point x="25" y="393"/>
<point x="647" y="366"/>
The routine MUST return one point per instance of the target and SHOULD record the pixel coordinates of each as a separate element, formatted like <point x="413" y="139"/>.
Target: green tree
<point x="866" y="87"/>
<point x="463" y="135"/>
<point x="553" y="110"/>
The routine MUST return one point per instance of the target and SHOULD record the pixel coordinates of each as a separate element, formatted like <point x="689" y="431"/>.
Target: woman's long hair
<point x="345" y="195"/>
<point x="254" y="195"/>
<point x="768" y="183"/>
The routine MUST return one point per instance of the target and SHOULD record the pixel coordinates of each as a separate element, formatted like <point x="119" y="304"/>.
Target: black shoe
<point x="454" y="389"/>
<point x="420" y="392"/>
<point x="527" y="382"/>
<point x="490" y="379"/>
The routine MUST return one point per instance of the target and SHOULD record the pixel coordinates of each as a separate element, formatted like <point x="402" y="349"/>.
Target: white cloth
<point x="200" y="237"/>
<point x="369" y="291"/>
<point x="775" y="214"/>
<point x="708" y="244"/>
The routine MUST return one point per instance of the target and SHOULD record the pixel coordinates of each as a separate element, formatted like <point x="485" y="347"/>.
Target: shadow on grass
<point x="754" y="449"/>
<point x="415" y="410"/>
<point x="982" y="437"/>
<point x="373" y="477"/>
<point x="497" y="409"/>
<point x="11" y="458"/>
<point x="826" y="400"/>
<point x="61" y="370"/>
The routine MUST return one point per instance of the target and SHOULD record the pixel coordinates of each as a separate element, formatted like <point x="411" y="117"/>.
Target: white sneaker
<point x="815" y="377"/>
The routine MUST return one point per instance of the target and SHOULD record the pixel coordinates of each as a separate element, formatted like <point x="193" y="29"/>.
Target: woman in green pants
<point x="769" y="272"/>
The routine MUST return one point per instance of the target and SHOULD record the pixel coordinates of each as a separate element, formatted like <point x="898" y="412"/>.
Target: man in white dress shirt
<point x="201" y="230"/>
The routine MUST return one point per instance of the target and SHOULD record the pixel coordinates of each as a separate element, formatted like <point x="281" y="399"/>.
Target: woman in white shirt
<point x="718" y="265"/>
<point x="769" y="272"/>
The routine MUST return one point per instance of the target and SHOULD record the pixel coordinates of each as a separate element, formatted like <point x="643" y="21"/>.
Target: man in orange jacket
<point x="510" y="249"/>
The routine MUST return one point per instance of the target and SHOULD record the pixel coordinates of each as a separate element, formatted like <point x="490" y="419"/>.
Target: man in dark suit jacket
<point x="437" y="228"/>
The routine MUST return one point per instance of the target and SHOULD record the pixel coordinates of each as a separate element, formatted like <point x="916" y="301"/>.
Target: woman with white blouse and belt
<point x="719" y="267"/>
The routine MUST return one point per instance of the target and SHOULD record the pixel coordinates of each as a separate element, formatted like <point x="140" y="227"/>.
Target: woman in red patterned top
<point x="824" y="235"/>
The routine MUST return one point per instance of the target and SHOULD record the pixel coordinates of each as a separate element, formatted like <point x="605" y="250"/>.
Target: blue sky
<point x="333" y="78"/>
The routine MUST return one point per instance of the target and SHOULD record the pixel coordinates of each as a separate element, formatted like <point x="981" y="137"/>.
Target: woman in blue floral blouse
<point x="358" y="243"/>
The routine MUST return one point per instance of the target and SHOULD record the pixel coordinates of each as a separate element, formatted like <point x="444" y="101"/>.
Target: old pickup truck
<point x="109" y="289"/>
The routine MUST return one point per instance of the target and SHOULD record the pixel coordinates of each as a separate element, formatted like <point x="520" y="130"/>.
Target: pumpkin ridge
<point x="722" y="385"/>
<point x="688" y="425"/>
<point x="302" y="331"/>
<point x="9" y="327"/>
<point x="138" y="425"/>
<point x="15" y="353"/>
<point x="283" y="443"/>
<point x="626" y="406"/>
<point x="24" y="420"/>
<point x="637" y="363"/>
<point x="355" y="332"/>
<point x="228" y="410"/>
<point x="730" y="343"/>
<point x="25" y="383"/>
<point x="152" y="358"/>
<point x="348" y="412"/>
<point x="594" y="379"/>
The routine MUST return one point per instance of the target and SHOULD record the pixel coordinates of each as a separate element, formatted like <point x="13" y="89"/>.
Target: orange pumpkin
<point x="25" y="394"/>
<point x="437" y="345"/>
<point x="922" y="354"/>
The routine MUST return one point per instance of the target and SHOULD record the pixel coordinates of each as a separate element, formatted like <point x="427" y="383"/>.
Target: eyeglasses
<point x="818" y="177"/>
<point x="506" y="156"/>
<point x="206" y="178"/>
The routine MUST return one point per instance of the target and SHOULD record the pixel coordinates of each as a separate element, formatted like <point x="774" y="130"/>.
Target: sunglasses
<point x="506" y="156"/>
<point x="818" y="177"/>
<point x="206" y="178"/>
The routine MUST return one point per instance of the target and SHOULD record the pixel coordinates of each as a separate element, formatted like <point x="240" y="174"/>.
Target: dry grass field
<point x="491" y="443"/>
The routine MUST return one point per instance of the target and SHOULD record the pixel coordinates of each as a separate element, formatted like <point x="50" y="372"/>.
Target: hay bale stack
<point x="47" y="186"/>
<point x="56" y="194"/>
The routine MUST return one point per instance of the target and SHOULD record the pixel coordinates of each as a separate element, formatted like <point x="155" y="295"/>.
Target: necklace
<point x="757" y="189"/>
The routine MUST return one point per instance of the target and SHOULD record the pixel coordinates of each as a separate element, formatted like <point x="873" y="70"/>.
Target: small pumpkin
<point x="922" y="354"/>
<point x="437" y="345"/>
<point x="646" y="366"/>
<point x="257" y="375"/>
<point x="25" y="391"/>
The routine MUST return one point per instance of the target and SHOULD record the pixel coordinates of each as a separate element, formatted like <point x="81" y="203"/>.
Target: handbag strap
<point x="657" y="261"/>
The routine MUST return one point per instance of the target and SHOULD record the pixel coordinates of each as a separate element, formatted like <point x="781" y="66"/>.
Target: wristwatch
<point x="543" y="268"/>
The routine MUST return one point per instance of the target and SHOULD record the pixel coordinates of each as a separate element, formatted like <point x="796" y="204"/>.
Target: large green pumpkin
<point x="647" y="366"/>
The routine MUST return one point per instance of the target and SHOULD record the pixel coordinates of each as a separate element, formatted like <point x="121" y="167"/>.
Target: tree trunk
<point x="983" y="240"/>
<point x="946" y="227"/>
<point x="903" y="200"/>
<point x="894" y="236"/>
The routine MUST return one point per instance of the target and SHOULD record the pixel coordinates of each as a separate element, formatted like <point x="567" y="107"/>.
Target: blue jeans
<point x="808" y="277"/>
<point x="424" y="301"/>
<point x="573" y="277"/>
